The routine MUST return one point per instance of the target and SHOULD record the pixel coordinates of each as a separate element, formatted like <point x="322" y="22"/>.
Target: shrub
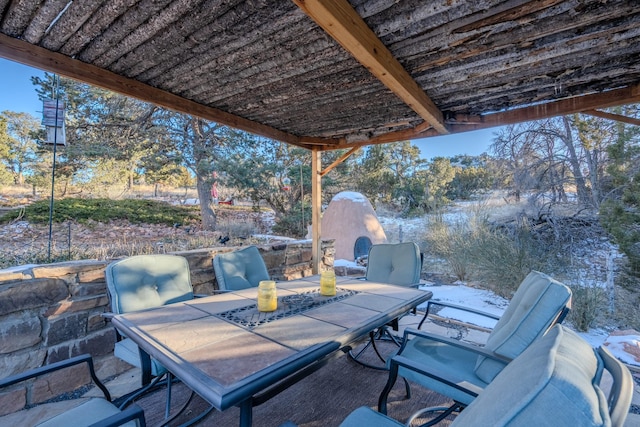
<point x="291" y="223"/>
<point x="587" y="301"/>
<point x="103" y="210"/>
<point x="502" y="257"/>
<point x="499" y="257"/>
<point x="449" y="243"/>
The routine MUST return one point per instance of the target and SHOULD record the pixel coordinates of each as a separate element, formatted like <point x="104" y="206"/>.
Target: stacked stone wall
<point x="55" y="311"/>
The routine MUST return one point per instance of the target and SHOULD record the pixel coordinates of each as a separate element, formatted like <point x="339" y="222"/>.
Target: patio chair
<point x="461" y="370"/>
<point x="398" y="264"/>
<point x="142" y="282"/>
<point x="557" y="381"/>
<point x="240" y="269"/>
<point x="87" y="413"/>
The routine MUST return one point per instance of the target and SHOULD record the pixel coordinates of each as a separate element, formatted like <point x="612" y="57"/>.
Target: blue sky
<point x="18" y="94"/>
<point x="471" y="143"/>
<point x="16" y="91"/>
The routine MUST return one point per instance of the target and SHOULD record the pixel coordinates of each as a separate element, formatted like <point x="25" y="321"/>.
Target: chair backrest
<point x="537" y="305"/>
<point x="146" y="281"/>
<point x="395" y="263"/>
<point x="240" y="269"/>
<point x="555" y="381"/>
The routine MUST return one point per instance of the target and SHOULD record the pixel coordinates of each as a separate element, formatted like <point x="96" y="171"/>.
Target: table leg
<point x="246" y="413"/>
<point x="145" y="366"/>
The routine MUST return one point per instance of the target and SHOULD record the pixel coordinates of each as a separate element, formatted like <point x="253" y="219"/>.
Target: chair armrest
<point x="456" y="307"/>
<point x="33" y="373"/>
<point x="480" y="351"/>
<point x="108" y="315"/>
<point x="412" y="365"/>
<point x="462" y="308"/>
<point x="133" y="412"/>
<point x="200" y="295"/>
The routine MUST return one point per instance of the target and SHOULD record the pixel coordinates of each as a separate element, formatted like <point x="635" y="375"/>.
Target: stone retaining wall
<point x="54" y="311"/>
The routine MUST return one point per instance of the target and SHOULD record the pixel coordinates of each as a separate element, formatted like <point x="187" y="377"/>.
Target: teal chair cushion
<point x="240" y="269"/>
<point x="147" y="281"/>
<point x="553" y="382"/>
<point x="457" y="364"/>
<point x="85" y="414"/>
<point x="533" y="309"/>
<point x="398" y="264"/>
<point x="367" y="417"/>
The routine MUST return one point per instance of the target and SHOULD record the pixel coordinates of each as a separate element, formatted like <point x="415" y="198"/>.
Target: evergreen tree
<point x="392" y="174"/>
<point x="197" y="144"/>
<point x="620" y="212"/>
<point x="18" y="146"/>
<point x="5" y="172"/>
<point x="440" y="174"/>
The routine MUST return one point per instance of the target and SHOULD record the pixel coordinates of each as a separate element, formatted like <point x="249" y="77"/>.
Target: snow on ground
<point x="344" y="263"/>
<point x="469" y="297"/>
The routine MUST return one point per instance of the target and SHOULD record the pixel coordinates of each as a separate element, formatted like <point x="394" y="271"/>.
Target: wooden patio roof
<point x="329" y="74"/>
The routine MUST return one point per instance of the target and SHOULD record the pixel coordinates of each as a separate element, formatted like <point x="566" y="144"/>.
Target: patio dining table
<point x="231" y="354"/>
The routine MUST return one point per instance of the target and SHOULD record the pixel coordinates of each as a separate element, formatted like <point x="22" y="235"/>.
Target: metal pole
<point x="302" y="200"/>
<point x="53" y="169"/>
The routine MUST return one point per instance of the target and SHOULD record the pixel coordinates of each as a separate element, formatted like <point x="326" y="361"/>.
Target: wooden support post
<point x="316" y="205"/>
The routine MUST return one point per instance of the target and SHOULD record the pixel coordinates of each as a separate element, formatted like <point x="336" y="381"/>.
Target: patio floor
<point x="322" y="399"/>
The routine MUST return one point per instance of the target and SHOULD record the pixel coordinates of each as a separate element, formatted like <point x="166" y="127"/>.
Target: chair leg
<point x="443" y="410"/>
<point x="391" y="337"/>
<point x="125" y="400"/>
<point x="192" y="421"/>
<point x="426" y="313"/>
<point x="167" y="408"/>
<point x="407" y="388"/>
<point x="379" y="334"/>
<point x="382" y="400"/>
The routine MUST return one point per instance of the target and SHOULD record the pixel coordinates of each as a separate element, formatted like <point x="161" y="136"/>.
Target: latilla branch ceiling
<point x="335" y="74"/>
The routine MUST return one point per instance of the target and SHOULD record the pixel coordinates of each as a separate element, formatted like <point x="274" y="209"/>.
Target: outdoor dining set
<point x="253" y="338"/>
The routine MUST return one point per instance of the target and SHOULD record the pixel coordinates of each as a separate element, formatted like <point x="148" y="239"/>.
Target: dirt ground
<point x="22" y="242"/>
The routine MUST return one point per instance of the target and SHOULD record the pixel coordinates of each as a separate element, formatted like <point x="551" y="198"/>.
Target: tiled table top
<point x="227" y="362"/>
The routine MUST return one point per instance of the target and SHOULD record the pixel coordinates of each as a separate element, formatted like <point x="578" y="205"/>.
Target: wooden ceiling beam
<point x="35" y="56"/>
<point x="615" y="117"/>
<point x="465" y="123"/>
<point x="345" y="26"/>
<point x="562" y="107"/>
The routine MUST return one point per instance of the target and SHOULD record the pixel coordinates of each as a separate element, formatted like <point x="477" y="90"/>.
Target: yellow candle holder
<point x="328" y="283"/>
<point x="267" y="297"/>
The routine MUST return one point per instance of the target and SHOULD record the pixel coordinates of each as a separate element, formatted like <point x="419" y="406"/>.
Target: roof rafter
<point x="345" y="26"/>
<point x="35" y="56"/>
